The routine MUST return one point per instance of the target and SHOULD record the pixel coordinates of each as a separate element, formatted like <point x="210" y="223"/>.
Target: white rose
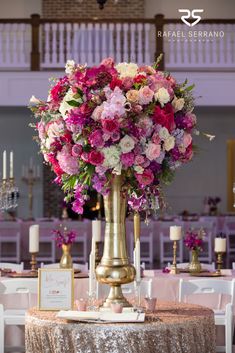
<point x="169" y="143"/>
<point x="162" y="96"/>
<point x="163" y="133"/>
<point x="111" y="156"/>
<point x="70" y="67"/>
<point x="138" y="169"/>
<point x="64" y="106"/>
<point x="127" y="69"/>
<point x="178" y="103"/>
<point x="127" y="144"/>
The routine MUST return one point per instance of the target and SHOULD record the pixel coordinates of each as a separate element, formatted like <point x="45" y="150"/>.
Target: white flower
<point x="111" y="156"/>
<point x="169" y="143"/>
<point x="163" y="133"/>
<point x="34" y="100"/>
<point x="64" y="106"/>
<point x="162" y="96"/>
<point x="178" y="103"/>
<point x="127" y="69"/>
<point x="70" y="67"/>
<point x="138" y="169"/>
<point x="127" y="144"/>
<point x="118" y="169"/>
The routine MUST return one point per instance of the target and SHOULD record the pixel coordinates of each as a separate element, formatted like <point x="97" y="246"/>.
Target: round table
<point x="173" y="328"/>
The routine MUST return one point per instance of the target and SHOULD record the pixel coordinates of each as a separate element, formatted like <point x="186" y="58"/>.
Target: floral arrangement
<point x="66" y="237"/>
<point x="194" y="240"/>
<point x="115" y="119"/>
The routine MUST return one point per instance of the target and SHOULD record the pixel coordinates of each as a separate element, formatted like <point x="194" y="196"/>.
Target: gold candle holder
<point x="33" y="263"/>
<point x="174" y="270"/>
<point x="219" y="262"/>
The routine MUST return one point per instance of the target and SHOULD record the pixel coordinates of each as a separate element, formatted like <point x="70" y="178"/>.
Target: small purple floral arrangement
<point x="63" y="237"/>
<point x="193" y="240"/>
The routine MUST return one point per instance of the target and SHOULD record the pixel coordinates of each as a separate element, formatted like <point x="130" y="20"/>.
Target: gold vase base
<point x="116" y="297"/>
<point x="174" y="270"/>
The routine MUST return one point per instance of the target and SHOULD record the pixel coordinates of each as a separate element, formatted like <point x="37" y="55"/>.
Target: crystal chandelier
<point x="8" y="190"/>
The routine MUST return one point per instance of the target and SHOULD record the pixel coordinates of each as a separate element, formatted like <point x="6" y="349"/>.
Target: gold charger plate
<point x="186" y="270"/>
<point x="22" y="275"/>
<point x="206" y="274"/>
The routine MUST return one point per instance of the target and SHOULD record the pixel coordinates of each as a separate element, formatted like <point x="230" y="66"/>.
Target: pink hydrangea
<point x="67" y="162"/>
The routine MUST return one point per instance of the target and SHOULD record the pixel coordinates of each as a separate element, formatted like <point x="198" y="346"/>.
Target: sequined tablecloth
<point x="174" y="328"/>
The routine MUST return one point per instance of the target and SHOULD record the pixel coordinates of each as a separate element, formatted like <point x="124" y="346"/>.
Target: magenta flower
<point x="96" y="158"/>
<point x="128" y="159"/>
<point x="145" y="178"/>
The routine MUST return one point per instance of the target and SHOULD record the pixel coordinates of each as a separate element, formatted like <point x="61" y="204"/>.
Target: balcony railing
<point x="39" y="43"/>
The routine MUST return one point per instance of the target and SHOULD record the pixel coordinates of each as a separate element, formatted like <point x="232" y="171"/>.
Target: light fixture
<point x="101" y="3"/>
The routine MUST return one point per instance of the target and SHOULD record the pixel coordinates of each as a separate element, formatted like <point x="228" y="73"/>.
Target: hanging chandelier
<point x="101" y="3"/>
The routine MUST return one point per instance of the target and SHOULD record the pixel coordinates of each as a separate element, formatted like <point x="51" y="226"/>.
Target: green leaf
<point x="73" y="103"/>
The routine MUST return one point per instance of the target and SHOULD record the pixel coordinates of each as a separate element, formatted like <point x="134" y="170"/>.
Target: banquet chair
<point x="12" y="266"/>
<point x="166" y="244"/>
<point x="209" y="229"/>
<point x="81" y="267"/>
<point x="10" y="236"/>
<point x="222" y="317"/>
<point x="146" y="243"/>
<point x="46" y="241"/>
<point x="229" y="228"/>
<point x="14" y="317"/>
<point x="81" y="228"/>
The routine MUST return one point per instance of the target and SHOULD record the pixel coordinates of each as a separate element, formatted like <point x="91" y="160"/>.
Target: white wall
<point x="212" y="8"/>
<point x="16" y="135"/>
<point x="206" y="174"/>
<point x="19" y="8"/>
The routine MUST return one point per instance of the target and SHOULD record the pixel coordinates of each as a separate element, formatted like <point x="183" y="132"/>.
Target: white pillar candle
<point x="96" y="230"/>
<point x="91" y="273"/>
<point x="137" y="260"/>
<point x="11" y="165"/>
<point x="220" y="244"/>
<point x="175" y="233"/>
<point x="34" y="238"/>
<point x="4" y="165"/>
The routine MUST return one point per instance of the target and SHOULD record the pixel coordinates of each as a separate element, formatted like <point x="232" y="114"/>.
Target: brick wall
<point x="90" y="8"/>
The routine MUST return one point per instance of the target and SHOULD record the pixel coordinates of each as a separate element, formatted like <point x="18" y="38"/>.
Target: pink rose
<point x="153" y="151"/>
<point x="139" y="160"/>
<point x="107" y="62"/>
<point x="110" y="126"/>
<point x="127" y="82"/>
<point x="76" y="150"/>
<point x="127" y="159"/>
<point x="85" y="156"/>
<point x="96" y="115"/>
<point x="146" y="178"/>
<point x="96" y="139"/>
<point x="187" y="139"/>
<point x="145" y="95"/>
<point x="95" y="158"/>
<point x="155" y="138"/>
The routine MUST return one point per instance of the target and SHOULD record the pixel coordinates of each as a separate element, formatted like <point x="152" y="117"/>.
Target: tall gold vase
<point x="114" y="268"/>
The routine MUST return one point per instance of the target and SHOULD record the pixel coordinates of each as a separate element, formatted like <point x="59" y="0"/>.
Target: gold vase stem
<point x="114" y="268"/>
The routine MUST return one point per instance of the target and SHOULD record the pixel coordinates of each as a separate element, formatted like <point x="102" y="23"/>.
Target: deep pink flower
<point x="96" y="139"/>
<point x="146" y="178"/>
<point x="128" y="159"/>
<point x="96" y="157"/>
<point x="110" y="126"/>
<point x="76" y="150"/>
<point x="164" y="116"/>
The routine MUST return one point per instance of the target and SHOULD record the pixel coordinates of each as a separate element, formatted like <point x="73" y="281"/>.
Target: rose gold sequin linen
<point x="174" y="328"/>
